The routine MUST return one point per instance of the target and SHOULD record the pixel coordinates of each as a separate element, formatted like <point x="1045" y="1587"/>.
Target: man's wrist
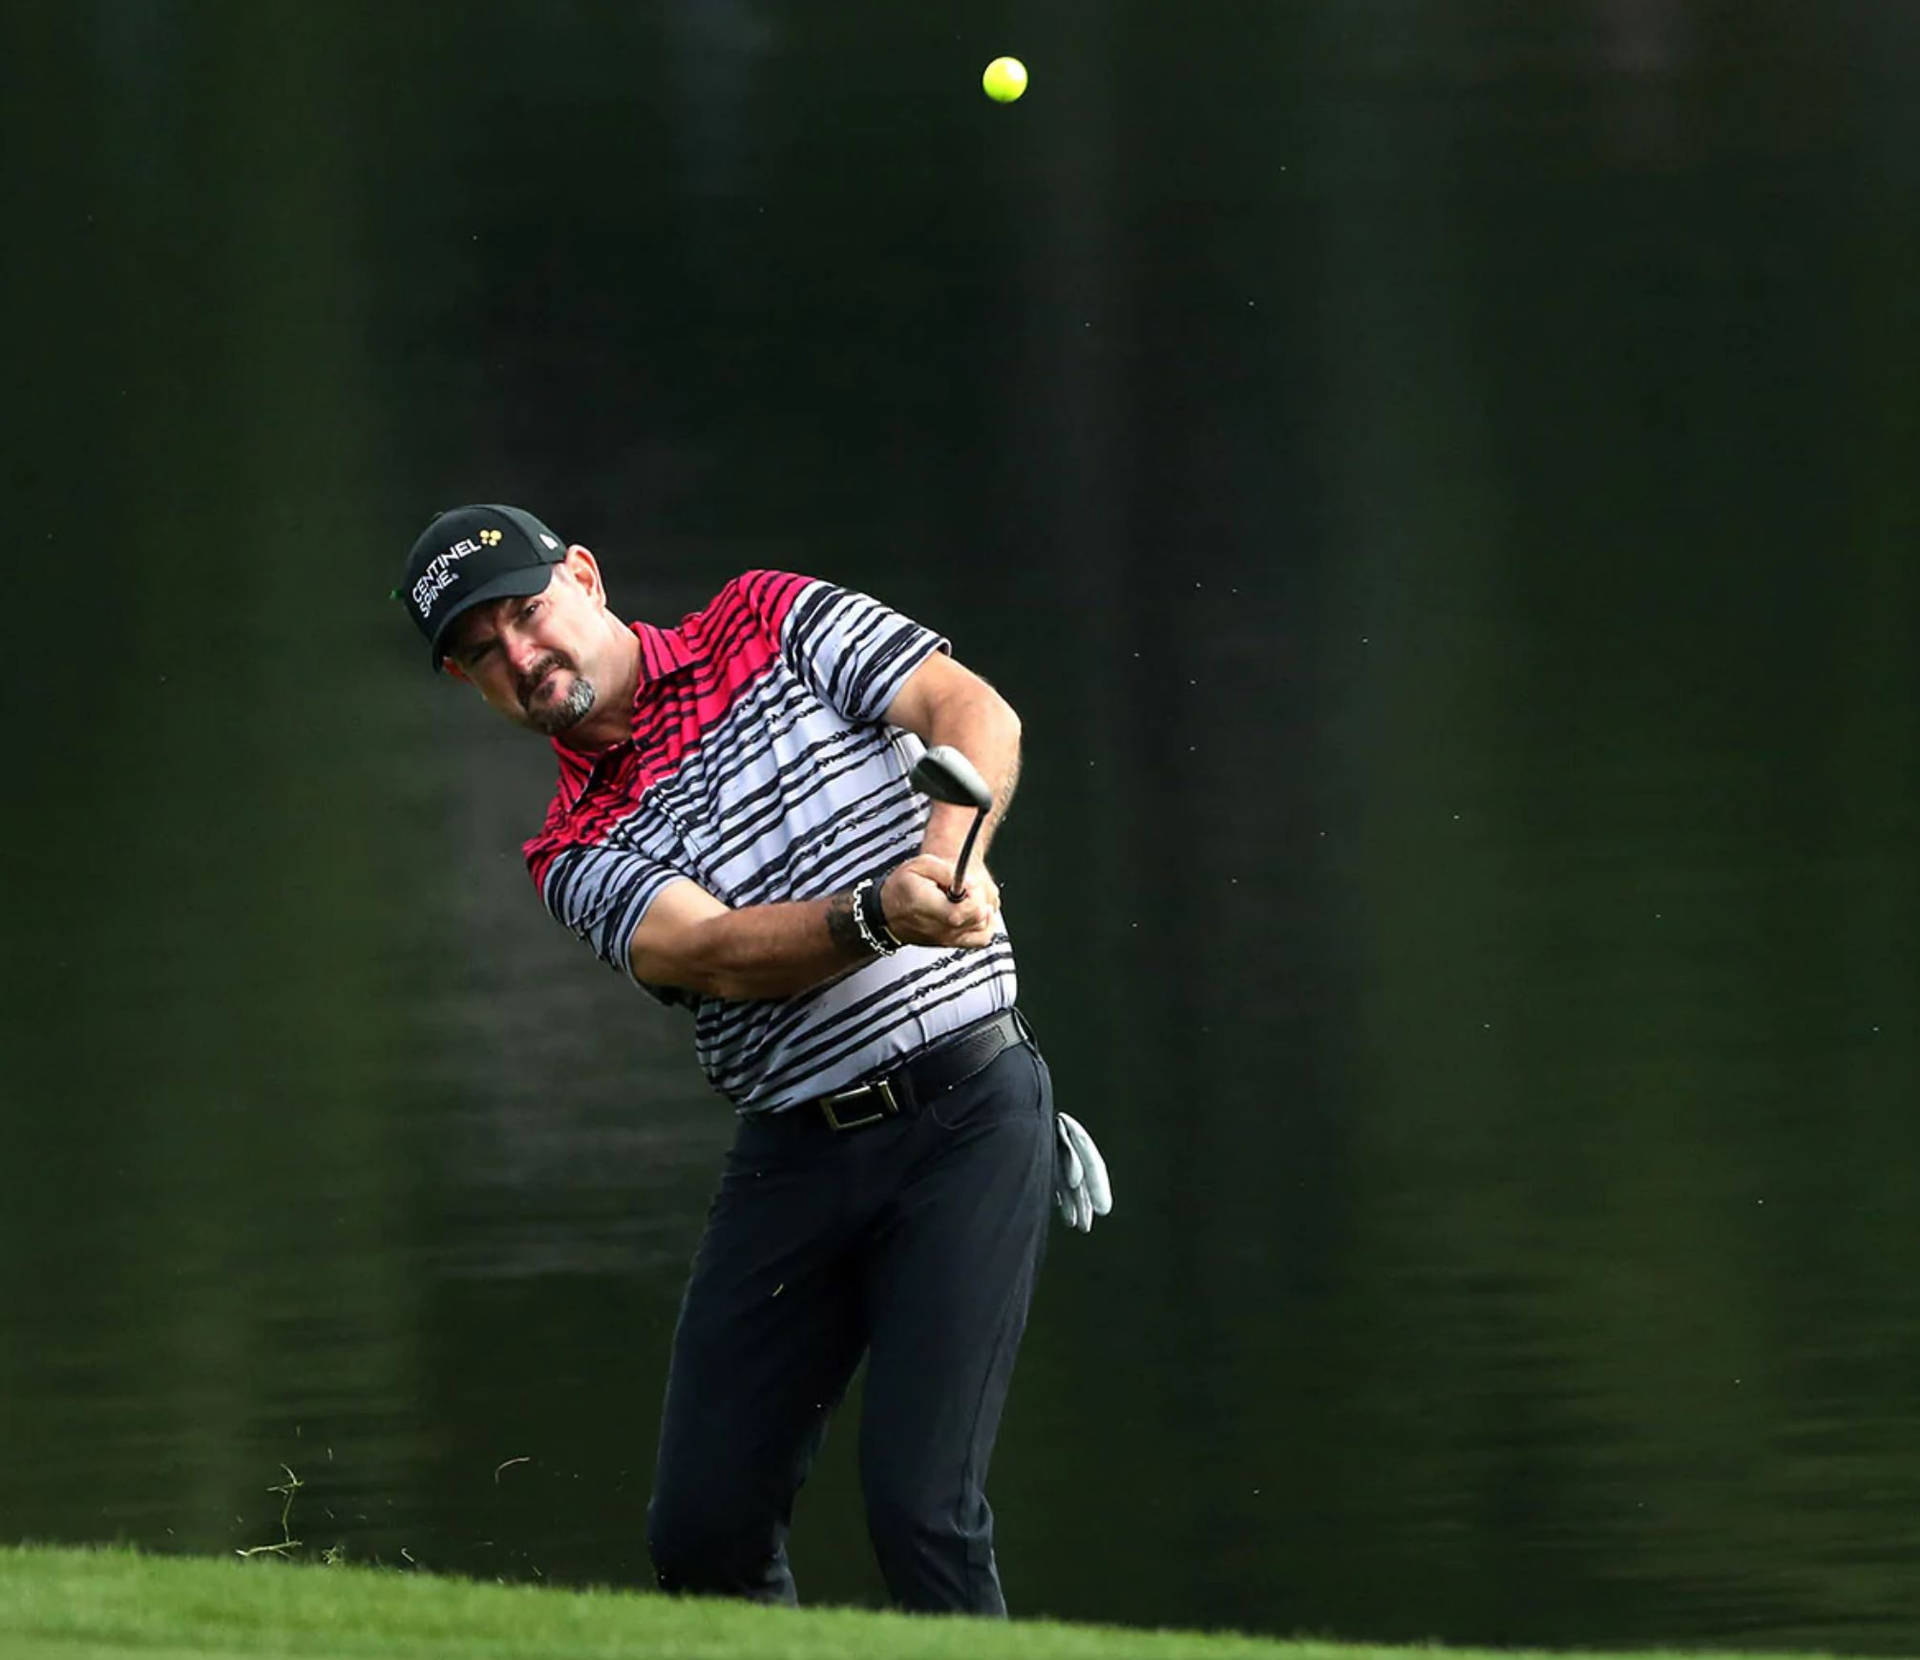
<point x="843" y="925"/>
<point x="873" y="907"/>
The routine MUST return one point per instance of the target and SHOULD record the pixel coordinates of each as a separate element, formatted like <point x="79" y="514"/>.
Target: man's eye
<point x="528" y="609"/>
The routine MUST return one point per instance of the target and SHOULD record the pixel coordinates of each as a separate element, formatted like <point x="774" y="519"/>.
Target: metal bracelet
<point x="860" y="921"/>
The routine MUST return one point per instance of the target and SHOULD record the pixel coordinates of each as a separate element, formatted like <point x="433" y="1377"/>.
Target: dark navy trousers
<point x="914" y="1242"/>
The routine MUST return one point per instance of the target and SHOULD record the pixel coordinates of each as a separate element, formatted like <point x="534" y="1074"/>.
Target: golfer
<point x="734" y="830"/>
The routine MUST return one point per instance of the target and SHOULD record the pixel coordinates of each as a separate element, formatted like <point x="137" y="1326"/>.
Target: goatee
<point x="555" y="717"/>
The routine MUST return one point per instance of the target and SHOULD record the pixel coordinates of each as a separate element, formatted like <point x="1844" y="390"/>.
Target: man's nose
<point x="521" y="651"/>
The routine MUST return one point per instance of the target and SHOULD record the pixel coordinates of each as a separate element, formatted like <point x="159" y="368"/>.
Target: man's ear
<point x="585" y="570"/>
<point x="454" y="669"/>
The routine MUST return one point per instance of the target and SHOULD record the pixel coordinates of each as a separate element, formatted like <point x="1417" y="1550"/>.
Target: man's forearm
<point x="776" y="950"/>
<point x="691" y="940"/>
<point x="985" y="729"/>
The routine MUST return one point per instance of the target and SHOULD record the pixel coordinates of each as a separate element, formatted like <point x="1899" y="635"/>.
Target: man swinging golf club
<point x="740" y="829"/>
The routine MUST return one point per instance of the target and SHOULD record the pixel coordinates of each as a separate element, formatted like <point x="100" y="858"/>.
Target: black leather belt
<point x="918" y="1078"/>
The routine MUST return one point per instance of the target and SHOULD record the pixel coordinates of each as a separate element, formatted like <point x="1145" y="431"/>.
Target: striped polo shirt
<point x="761" y="767"/>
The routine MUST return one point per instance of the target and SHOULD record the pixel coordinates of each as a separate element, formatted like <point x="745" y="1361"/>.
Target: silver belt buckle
<point x="880" y="1087"/>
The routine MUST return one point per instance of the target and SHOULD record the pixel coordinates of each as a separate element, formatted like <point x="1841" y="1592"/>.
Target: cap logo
<point x="437" y="578"/>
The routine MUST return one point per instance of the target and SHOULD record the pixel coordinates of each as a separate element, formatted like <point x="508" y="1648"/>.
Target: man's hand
<point x="1080" y="1185"/>
<point x="919" y="912"/>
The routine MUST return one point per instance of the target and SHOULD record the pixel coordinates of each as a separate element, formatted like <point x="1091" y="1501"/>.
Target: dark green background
<point x="1439" y="483"/>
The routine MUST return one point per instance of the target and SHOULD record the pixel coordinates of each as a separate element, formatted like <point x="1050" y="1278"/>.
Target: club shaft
<point x="966" y="852"/>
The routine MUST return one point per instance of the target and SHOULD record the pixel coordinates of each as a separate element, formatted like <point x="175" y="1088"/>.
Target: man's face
<point x="534" y="657"/>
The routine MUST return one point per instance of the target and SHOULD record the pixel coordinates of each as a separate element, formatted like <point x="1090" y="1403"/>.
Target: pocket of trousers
<point x="1000" y="1088"/>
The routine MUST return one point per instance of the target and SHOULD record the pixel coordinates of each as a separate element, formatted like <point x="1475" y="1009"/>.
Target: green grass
<point x="108" y="1604"/>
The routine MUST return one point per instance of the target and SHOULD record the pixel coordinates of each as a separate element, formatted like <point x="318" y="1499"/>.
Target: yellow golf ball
<point x="1005" y="80"/>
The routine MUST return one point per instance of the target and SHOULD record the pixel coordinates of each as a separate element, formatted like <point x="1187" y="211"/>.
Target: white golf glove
<point x="1080" y="1186"/>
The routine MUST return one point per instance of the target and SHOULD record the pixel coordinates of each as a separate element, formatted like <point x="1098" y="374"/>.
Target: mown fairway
<point x="92" y="1605"/>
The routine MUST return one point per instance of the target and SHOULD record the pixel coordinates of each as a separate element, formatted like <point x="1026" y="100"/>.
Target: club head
<point x="947" y="775"/>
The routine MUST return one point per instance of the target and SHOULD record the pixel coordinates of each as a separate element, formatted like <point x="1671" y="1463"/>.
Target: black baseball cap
<point x="470" y="555"/>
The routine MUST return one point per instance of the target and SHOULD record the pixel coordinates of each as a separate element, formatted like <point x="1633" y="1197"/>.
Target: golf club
<point x="947" y="775"/>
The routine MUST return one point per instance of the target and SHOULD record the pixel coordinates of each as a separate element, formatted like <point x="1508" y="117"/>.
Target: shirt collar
<point x="663" y="651"/>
